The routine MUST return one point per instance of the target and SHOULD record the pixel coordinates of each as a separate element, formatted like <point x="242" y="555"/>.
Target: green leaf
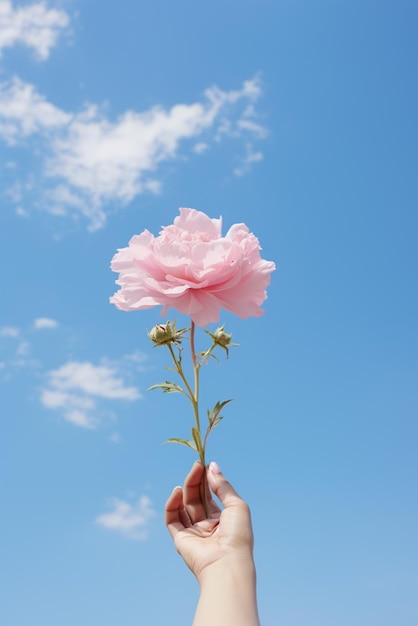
<point x="168" y="387"/>
<point x="210" y="427"/>
<point x="213" y="415"/>
<point x="197" y="439"/>
<point x="183" y="442"/>
<point x="203" y="357"/>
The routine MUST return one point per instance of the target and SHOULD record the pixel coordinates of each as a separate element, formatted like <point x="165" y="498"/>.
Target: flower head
<point x="193" y="269"/>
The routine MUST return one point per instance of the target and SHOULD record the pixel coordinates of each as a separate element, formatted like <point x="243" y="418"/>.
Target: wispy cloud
<point x="21" y="212"/>
<point x="45" y="322"/>
<point x="130" y="520"/>
<point x="92" y="162"/>
<point x="23" y="349"/>
<point x="251" y="156"/>
<point x="9" y="331"/>
<point x="75" y="388"/>
<point x="200" y="147"/>
<point x="24" y="112"/>
<point x="17" y="353"/>
<point x="34" y="25"/>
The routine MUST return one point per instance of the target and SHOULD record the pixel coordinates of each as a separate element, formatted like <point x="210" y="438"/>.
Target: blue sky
<point x="299" y="119"/>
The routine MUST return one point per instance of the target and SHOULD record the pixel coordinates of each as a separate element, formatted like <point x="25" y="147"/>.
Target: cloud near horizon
<point x="90" y="162"/>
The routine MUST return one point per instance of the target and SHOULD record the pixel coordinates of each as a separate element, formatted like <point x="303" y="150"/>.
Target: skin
<point x="218" y="549"/>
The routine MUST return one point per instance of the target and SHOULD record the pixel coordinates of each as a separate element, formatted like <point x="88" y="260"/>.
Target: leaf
<point x="183" y="442"/>
<point x="168" y="387"/>
<point x="210" y="427"/>
<point x="213" y="415"/>
<point x="197" y="439"/>
<point x="204" y="357"/>
<point x="179" y="358"/>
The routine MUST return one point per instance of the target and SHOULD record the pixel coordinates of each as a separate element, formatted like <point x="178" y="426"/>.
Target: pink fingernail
<point x="214" y="467"/>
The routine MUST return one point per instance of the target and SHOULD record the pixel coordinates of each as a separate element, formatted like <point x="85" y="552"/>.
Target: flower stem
<point x="193" y="396"/>
<point x="204" y="487"/>
<point x="180" y="372"/>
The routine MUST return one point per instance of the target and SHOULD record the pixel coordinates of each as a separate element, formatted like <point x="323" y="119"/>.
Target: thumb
<point x="221" y="487"/>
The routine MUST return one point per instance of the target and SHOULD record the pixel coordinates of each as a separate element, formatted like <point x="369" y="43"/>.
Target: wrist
<point x="231" y="567"/>
<point x="228" y="593"/>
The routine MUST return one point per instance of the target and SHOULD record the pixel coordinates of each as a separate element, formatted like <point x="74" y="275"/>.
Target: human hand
<point x="224" y="536"/>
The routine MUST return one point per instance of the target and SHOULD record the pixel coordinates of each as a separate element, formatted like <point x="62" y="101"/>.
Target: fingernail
<point x="177" y="487"/>
<point x="214" y="467"/>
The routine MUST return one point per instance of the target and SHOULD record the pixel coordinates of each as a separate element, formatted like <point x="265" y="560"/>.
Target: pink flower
<point x="193" y="269"/>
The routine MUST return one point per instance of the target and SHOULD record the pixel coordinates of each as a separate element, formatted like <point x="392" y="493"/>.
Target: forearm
<point x="228" y="595"/>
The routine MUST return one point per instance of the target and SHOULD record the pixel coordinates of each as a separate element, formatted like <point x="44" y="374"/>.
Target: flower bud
<point x="163" y="334"/>
<point x="222" y="339"/>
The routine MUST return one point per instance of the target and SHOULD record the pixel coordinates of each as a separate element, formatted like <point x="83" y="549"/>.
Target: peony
<point x="193" y="269"/>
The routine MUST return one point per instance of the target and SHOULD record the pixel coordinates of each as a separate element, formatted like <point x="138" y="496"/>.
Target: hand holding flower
<point x="203" y="540"/>
<point x="218" y="548"/>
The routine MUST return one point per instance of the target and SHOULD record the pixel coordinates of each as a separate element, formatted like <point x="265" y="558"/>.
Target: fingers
<point x="236" y="514"/>
<point x="185" y="507"/>
<point x="174" y="511"/>
<point x="221" y="487"/>
<point x="192" y="493"/>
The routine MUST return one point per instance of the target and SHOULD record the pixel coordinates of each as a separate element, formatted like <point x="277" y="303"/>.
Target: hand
<point x="224" y="536"/>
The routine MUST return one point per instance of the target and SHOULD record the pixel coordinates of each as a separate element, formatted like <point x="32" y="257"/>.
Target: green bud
<point x="163" y="334"/>
<point x="222" y="339"/>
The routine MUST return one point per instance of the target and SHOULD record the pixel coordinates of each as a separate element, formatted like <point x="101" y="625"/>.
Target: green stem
<point x="180" y="372"/>
<point x="205" y="355"/>
<point x="194" y="399"/>
<point x="204" y="487"/>
<point x="196" y="378"/>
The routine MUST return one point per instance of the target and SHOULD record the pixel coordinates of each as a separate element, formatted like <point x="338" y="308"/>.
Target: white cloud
<point x="130" y="520"/>
<point x="15" y="192"/>
<point x="78" y="410"/>
<point x="19" y="352"/>
<point x="76" y="387"/>
<point x="34" y="25"/>
<point x="92" y="162"/>
<point x="250" y="157"/>
<point x="23" y="348"/>
<point x="115" y="437"/>
<point x="137" y="360"/>
<point x="200" y="147"/>
<point x="96" y="380"/>
<point x="45" y="322"/>
<point x="20" y="212"/>
<point x="258" y="130"/>
<point x="24" y="112"/>
<point x="9" y="331"/>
